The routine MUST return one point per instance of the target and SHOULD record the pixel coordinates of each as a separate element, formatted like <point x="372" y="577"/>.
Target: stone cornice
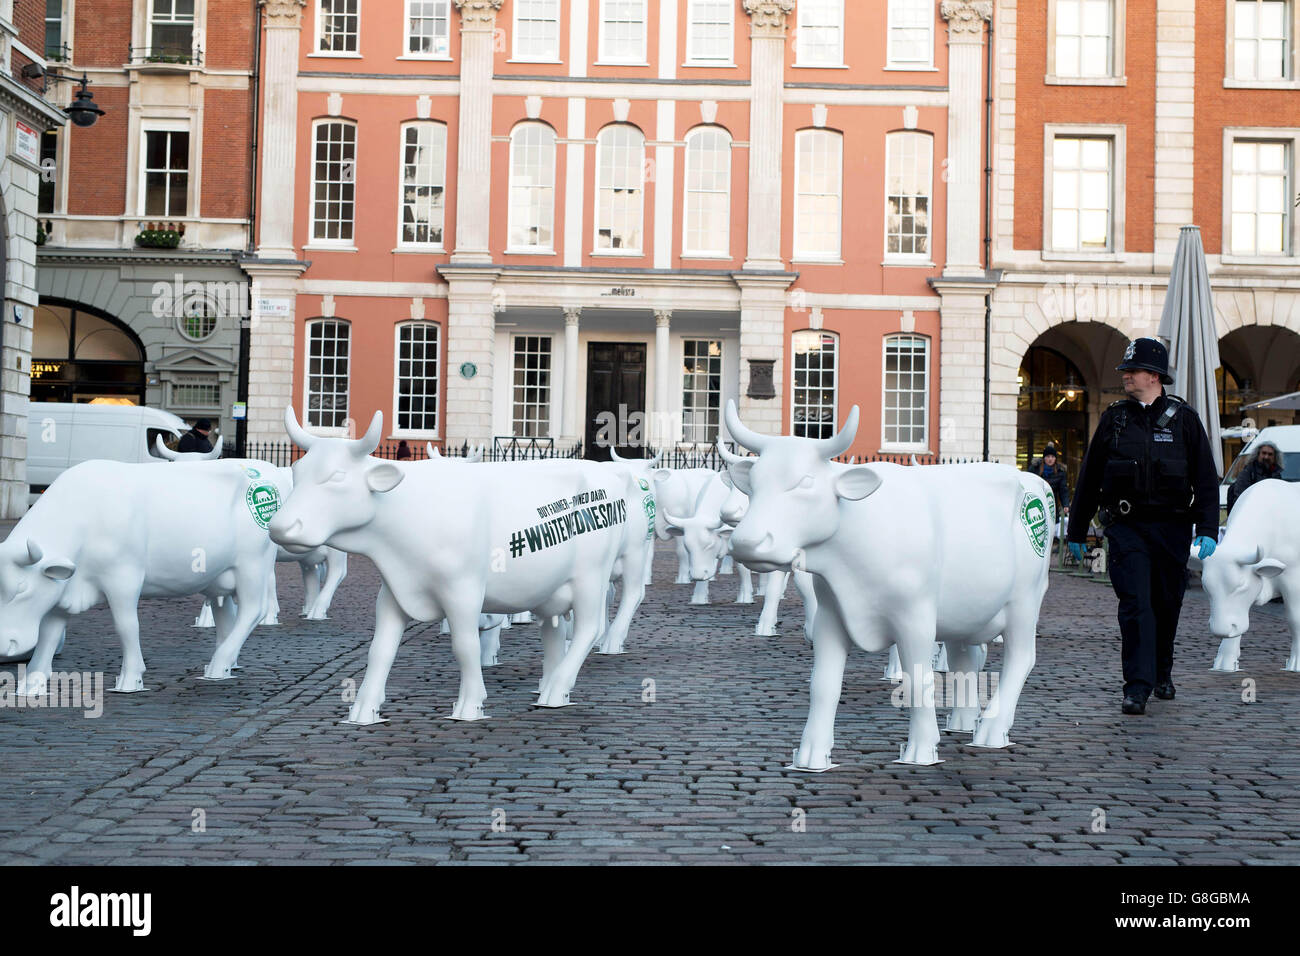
<point x="478" y="14"/>
<point x="966" y="19"/>
<point x="768" y="16"/>
<point x="283" y="14"/>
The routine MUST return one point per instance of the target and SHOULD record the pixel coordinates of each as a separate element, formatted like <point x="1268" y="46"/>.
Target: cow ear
<point x="739" y="472"/>
<point x="1269" y="568"/>
<point x="661" y="474"/>
<point x="725" y="475"/>
<point x="856" y="483"/>
<point x="58" y="570"/>
<point x="384" y="477"/>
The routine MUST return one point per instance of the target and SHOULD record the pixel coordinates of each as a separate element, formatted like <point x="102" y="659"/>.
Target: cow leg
<point x="310" y="587"/>
<point x="965" y="661"/>
<point x="683" y="562"/>
<point x="803" y="583"/>
<point x="728" y="565"/>
<point x="390" y="623"/>
<point x="700" y="594"/>
<point x="830" y="651"/>
<point x="559" y="681"/>
<point x="250" y="607"/>
<point x="336" y="569"/>
<point x="615" y="636"/>
<point x="915" y="640"/>
<point x="126" y="621"/>
<point x="766" y="626"/>
<point x="489" y="639"/>
<point x="1293" y="620"/>
<point x="649" y="560"/>
<point x="464" y="644"/>
<point x="553" y="638"/>
<point x="746" y="585"/>
<point x="1018" y="651"/>
<point x="272" y="600"/>
<point x="1229" y="657"/>
<point x="205" y="618"/>
<point x="36" y="677"/>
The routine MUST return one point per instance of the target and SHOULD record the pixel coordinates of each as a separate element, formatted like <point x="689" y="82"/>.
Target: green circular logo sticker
<point x="263" y="502"/>
<point x="648" y="503"/>
<point x="1033" y="515"/>
<point x="642" y="483"/>
<point x="468" y="370"/>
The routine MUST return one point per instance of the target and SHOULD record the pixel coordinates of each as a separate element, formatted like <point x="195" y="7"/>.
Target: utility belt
<point x="1125" y="511"/>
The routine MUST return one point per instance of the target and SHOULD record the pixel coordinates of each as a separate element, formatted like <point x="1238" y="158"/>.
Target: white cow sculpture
<point x="889" y="549"/>
<point x="642" y="469"/>
<point x="116" y="532"/>
<point x="323" y="569"/>
<point x="1258" y="559"/>
<point x="457" y="542"/>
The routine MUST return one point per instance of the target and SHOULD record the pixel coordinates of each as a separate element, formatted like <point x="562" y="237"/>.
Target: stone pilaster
<point x="961" y="366"/>
<point x="569" y="420"/>
<point x="767" y="68"/>
<point x="763" y="339"/>
<point x="965" y="132"/>
<point x="1175" y="185"/>
<point x="471" y="332"/>
<point x="660" y="433"/>
<point x="474" y="142"/>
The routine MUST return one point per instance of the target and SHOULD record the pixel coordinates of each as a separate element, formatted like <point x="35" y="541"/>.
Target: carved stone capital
<point x="478" y="14"/>
<point x="768" y="16"/>
<point x="663" y="318"/>
<point x="284" y="14"/>
<point x="966" y="19"/>
<point x="572" y="314"/>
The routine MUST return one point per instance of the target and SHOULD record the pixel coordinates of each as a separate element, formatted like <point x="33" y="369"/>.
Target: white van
<point x="60" y="435"/>
<point x="1287" y="440"/>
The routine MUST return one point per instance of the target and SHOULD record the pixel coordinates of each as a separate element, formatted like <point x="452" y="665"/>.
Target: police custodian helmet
<point x="1148" y="354"/>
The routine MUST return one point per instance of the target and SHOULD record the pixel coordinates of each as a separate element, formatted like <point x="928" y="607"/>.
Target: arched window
<point x="333" y="183"/>
<point x="329" y="346"/>
<point x="706" y="225"/>
<point x="816" y="384"/>
<point x="908" y="178"/>
<point x="620" y="189"/>
<point x="906" y="402"/>
<point x="416" y="379"/>
<point x="532" y="188"/>
<point x="424" y="177"/>
<point x="80" y="354"/>
<point x="818" y="175"/>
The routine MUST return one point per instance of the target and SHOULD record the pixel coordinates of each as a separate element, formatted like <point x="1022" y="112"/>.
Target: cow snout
<point x="11" y="648"/>
<point x="746" y="544"/>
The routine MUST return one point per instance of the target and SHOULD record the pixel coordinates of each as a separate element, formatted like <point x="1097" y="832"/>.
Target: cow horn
<point x="477" y="454"/>
<point x="614" y="455"/>
<point x="839" y="444"/>
<point x="215" y="453"/>
<point x="297" y="434"/>
<point x="162" y="450"/>
<point x="750" y="439"/>
<point x="34" y="554"/>
<point x="368" y="442"/>
<point x="654" y="462"/>
<point x="675" y="521"/>
<point x="431" y="450"/>
<point x="731" y="458"/>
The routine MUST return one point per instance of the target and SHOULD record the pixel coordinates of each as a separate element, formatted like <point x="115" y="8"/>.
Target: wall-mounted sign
<point x="621" y="290"/>
<point x="27" y="143"/>
<point x="274" y="306"/>
<point x="468" y="370"/>
<point x="239" y="411"/>
<point x="47" y="369"/>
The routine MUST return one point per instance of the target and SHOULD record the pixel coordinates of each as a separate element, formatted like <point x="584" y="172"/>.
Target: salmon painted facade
<point x="597" y="221"/>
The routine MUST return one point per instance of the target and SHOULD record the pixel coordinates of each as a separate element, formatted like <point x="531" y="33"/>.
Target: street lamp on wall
<point x="83" y="110"/>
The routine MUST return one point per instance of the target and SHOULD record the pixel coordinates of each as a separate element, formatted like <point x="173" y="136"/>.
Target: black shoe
<point x="1134" y="705"/>
<point x="1165" y="690"/>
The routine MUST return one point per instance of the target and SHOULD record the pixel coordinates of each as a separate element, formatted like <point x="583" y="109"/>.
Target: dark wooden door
<point x="616" y="400"/>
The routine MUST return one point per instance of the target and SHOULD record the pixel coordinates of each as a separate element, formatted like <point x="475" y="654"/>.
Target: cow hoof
<point x="611" y="648"/>
<point x="1292" y="664"/>
<point x="467" y="713"/>
<point x="1225" y="667"/>
<point x="762" y="631"/>
<point x="270" y="620"/>
<point x="918" y="755"/>
<point x="748" y="600"/>
<point x="962" y="723"/>
<point x="128" y="685"/>
<point x="32" y="685"/>
<point x="796" y="767"/>
<point x="364" y="717"/>
<point x="990" y="737"/>
<point x="316" y="617"/>
<point x="488" y="661"/>
<point x="807" y="759"/>
<point x="212" y="672"/>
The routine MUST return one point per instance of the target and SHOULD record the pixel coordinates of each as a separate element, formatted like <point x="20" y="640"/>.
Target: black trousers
<point x="1148" y="569"/>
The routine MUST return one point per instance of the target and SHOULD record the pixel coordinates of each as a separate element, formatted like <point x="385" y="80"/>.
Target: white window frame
<point x="1290" y="136"/>
<point x="436" y="364"/>
<point x="548" y="249"/>
<point x="836" y="257"/>
<point x="721" y="392"/>
<point x="910" y="258"/>
<point x="1117" y="134"/>
<point x="339" y="431"/>
<point x="407" y="54"/>
<point x="595" y="237"/>
<point x="149" y="22"/>
<point x="545" y="421"/>
<point x="319" y="34"/>
<point x="687" y="251"/>
<point x="1118" y="16"/>
<point x="602" y="57"/>
<point x="62" y="21"/>
<point x="1290" y="79"/>
<point x="402" y="242"/>
<point x="165" y="126"/>
<point x="799" y="49"/>
<point x="554" y="55"/>
<point x="691" y="58"/>
<point x="312" y="240"/>
<point x="915" y="65"/>
<point x="835" y="387"/>
<point x="898" y="446"/>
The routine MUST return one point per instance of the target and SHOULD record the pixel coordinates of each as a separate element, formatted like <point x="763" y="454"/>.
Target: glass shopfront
<point x="81" y="355"/>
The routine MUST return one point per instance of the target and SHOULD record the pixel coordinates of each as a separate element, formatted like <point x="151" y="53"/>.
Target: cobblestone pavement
<point x="696" y="775"/>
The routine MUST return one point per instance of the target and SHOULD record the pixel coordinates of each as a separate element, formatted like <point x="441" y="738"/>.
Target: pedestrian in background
<point x="1150" y="468"/>
<point x="1266" y="462"/>
<point x="403" y="451"/>
<point x="1051" y="471"/>
<point x="196" y="439"/>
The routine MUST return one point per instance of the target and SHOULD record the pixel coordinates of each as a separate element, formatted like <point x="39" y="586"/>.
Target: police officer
<point x="1150" y="469"/>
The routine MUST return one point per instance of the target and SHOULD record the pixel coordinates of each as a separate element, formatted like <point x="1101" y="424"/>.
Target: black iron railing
<point x="165" y="55"/>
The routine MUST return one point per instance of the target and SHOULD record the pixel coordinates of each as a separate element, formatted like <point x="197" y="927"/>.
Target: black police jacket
<point x="1164" y="473"/>
<point x="193" y="441"/>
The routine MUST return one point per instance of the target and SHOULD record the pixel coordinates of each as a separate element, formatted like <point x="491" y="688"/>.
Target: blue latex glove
<point x="1076" y="550"/>
<point x="1207" y="546"/>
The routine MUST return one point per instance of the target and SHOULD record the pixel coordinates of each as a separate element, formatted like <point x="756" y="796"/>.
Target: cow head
<point x="31" y="584"/>
<point x="335" y="486"/>
<point x="702" y="533"/>
<point x="794" y="492"/>
<point x="1235" y="579"/>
